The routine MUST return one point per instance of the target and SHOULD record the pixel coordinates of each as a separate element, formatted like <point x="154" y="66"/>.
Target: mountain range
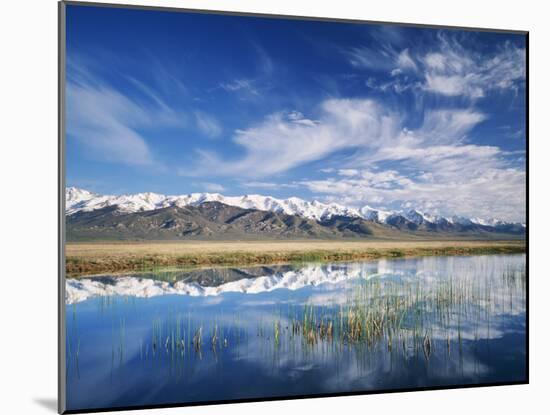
<point x="214" y="216"/>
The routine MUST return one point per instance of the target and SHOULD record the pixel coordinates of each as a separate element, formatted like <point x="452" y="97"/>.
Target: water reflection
<point x="222" y="334"/>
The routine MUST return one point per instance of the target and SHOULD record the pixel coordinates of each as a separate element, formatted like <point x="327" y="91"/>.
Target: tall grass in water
<point x="123" y="257"/>
<point x="412" y="319"/>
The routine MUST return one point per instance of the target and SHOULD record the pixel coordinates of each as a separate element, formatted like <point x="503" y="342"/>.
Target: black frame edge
<point x="291" y="398"/>
<point x="286" y="16"/>
<point x="527" y="240"/>
<point x="61" y="58"/>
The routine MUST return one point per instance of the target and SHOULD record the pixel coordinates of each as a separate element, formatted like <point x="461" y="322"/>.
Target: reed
<point x="98" y="258"/>
<point x="413" y="319"/>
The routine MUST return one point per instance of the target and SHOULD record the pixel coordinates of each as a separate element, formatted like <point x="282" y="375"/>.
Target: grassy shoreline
<point x="101" y="258"/>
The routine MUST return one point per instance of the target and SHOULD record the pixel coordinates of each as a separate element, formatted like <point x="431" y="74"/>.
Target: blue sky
<point x="388" y="116"/>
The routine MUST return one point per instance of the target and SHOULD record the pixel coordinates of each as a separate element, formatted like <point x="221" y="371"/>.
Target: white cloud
<point x="518" y="134"/>
<point x="447" y="68"/>
<point x="207" y="124"/>
<point x="396" y="84"/>
<point x="382" y="58"/>
<point x="485" y="193"/>
<point x="348" y="172"/>
<point x="270" y="185"/>
<point x="453" y="85"/>
<point x="245" y="85"/>
<point x="212" y="187"/>
<point x="109" y="124"/>
<point x="106" y="123"/>
<point x="456" y="71"/>
<point x="405" y="62"/>
<point x="433" y="166"/>
<point x="282" y="142"/>
<point x="252" y="87"/>
<point x="368" y="58"/>
<point x="150" y="93"/>
<point x="448" y="126"/>
<point x="435" y="61"/>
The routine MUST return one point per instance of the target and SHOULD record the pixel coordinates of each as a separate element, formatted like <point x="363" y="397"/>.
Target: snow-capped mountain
<point x="80" y="200"/>
<point x="312" y="275"/>
<point x="375" y="215"/>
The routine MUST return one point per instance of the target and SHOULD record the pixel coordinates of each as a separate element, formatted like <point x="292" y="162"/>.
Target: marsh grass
<point x="413" y="320"/>
<point x="373" y="319"/>
<point x="126" y="258"/>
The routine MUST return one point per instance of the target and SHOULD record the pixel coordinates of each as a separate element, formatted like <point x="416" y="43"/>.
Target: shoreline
<point x="100" y="258"/>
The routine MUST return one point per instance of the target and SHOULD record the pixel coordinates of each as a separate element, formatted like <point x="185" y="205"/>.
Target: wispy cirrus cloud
<point x="446" y="68"/>
<point x="269" y="185"/>
<point x="207" y="124"/>
<point x="483" y="192"/>
<point x="118" y="127"/>
<point x="240" y="85"/>
<point x="381" y="58"/>
<point x="390" y="165"/>
<point x="110" y="124"/>
<point x="285" y="140"/>
<point x="211" y="187"/>
<point x="252" y="86"/>
<point x="405" y="62"/>
<point x="455" y="71"/>
<point x="384" y="115"/>
<point x="433" y="168"/>
<point x="107" y="124"/>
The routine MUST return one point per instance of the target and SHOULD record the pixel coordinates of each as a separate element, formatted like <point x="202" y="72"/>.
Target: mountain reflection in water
<point x="222" y="334"/>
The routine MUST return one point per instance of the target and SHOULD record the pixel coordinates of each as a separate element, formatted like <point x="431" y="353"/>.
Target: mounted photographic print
<point x="259" y="207"/>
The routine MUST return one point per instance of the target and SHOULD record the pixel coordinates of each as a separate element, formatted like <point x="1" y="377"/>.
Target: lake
<point x="185" y="336"/>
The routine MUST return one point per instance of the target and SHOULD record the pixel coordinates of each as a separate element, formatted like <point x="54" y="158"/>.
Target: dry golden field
<point x="111" y="257"/>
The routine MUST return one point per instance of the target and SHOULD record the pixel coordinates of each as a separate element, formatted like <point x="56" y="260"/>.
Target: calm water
<point x="222" y="334"/>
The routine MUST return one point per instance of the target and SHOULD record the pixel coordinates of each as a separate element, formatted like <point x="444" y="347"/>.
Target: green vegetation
<point x="77" y="265"/>
<point x="414" y="319"/>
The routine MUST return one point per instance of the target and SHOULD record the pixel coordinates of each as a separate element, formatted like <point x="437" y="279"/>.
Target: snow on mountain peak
<point x="460" y="220"/>
<point x="83" y="200"/>
<point x="375" y="215"/>
<point x="414" y="216"/>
